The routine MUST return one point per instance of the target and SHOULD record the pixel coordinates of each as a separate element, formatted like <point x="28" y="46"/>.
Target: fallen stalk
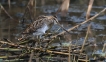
<point x="6" y="11"/>
<point x="70" y="29"/>
<point x="32" y="48"/>
<point x="76" y="26"/>
<point x="10" y="49"/>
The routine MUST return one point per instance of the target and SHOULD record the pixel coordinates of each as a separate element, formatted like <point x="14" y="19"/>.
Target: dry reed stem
<point x="64" y="8"/>
<point x="6" y="12"/>
<point x="1" y="26"/>
<point x="16" y="45"/>
<point x="32" y="48"/>
<point x="5" y="57"/>
<point x="86" y="58"/>
<point x="42" y="2"/>
<point x="86" y="37"/>
<point x="76" y="26"/>
<point x="10" y="49"/>
<point x="103" y="49"/>
<point x="9" y="32"/>
<point x="9" y="2"/>
<point x="14" y="60"/>
<point x="70" y="29"/>
<point x="31" y="56"/>
<point x="83" y="60"/>
<point x="89" y="9"/>
<point x="30" y="8"/>
<point x="69" y="56"/>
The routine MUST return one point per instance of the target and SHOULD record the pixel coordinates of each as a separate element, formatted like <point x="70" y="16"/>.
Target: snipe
<point x="39" y="26"/>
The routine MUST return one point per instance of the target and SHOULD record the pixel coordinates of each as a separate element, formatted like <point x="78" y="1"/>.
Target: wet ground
<point x="11" y="29"/>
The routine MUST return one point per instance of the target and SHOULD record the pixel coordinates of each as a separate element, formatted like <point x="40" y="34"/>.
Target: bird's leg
<point x="39" y="38"/>
<point x="38" y="41"/>
<point x="48" y="31"/>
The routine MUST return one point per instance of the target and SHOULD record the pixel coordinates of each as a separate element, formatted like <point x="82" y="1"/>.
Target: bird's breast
<point x="41" y="30"/>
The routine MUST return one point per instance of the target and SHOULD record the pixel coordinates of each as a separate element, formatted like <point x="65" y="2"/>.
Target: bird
<point x="39" y="26"/>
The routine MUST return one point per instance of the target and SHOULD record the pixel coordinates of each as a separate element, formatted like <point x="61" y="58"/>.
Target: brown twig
<point x="69" y="57"/>
<point x="9" y="2"/>
<point x="64" y="8"/>
<point x="5" y="57"/>
<point x="70" y="29"/>
<point x="30" y="9"/>
<point x="10" y="49"/>
<point x="31" y="56"/>
<point x="103" y="49"/>
<point x="76" y="26"/>
<point x="86" y="37"/>
<point x="6" y="12"/>
<point x="32" y="48"/>
<point x="89" y="9"/>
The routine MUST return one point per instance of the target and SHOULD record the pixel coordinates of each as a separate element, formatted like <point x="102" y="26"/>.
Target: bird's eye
<point x="55" y="16"/>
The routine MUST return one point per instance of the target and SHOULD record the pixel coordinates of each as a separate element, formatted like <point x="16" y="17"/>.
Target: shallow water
<point x="11" y="29"/>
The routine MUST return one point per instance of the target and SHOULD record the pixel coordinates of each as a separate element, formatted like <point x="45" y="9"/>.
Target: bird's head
<point x="52" y="19"/>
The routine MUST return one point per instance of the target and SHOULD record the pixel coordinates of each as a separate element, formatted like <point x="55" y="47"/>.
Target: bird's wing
<point x="38" y="23"/>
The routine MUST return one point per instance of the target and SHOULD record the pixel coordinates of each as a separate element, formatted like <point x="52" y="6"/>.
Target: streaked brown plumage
<point x="39" y="26"/>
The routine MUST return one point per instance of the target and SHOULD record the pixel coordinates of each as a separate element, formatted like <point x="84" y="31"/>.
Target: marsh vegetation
<point x="83" y="41"/>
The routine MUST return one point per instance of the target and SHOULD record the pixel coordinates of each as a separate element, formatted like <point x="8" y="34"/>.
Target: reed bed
<point x="25" y="50"/>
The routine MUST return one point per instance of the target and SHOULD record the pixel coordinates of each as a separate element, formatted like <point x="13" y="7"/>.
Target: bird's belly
<point x="41" y="30"/>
